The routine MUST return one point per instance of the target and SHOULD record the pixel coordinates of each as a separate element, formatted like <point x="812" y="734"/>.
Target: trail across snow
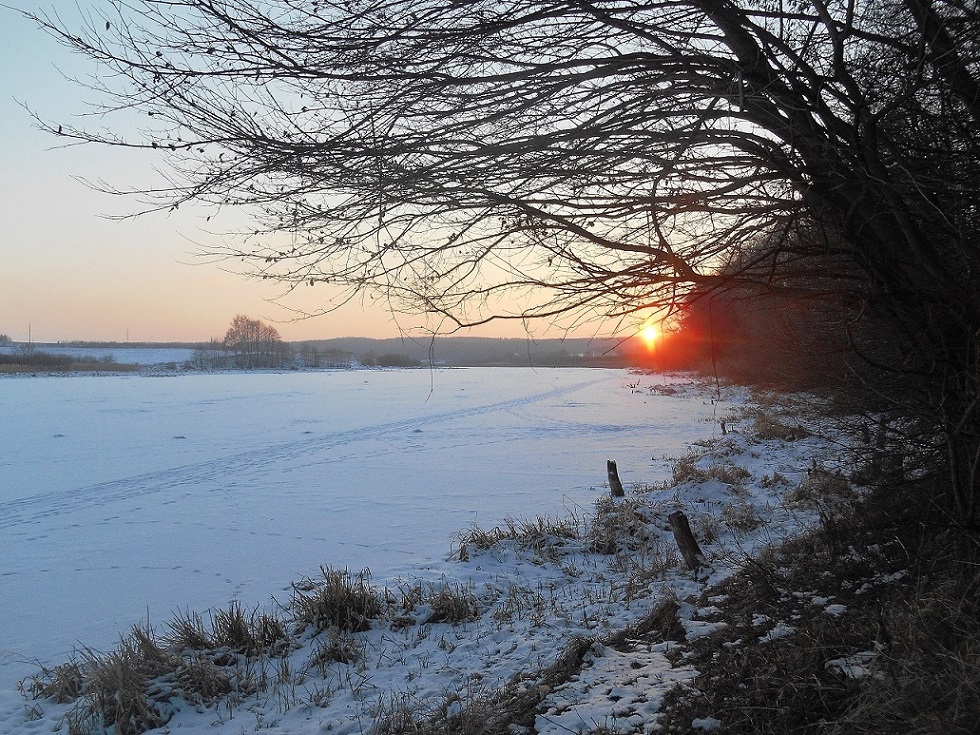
<point x="32" y="508"/>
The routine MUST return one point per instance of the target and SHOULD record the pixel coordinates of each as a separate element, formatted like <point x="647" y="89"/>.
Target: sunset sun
<point x="650" y="335"/>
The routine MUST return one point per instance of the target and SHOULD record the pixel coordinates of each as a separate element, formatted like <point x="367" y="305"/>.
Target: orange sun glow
<point x="650" y="334"/>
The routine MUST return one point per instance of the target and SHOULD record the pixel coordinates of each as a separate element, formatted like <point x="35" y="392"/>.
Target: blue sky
<point x="69" y="273"/>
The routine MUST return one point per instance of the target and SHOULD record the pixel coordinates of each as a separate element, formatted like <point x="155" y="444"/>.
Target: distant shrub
<point x="390" y="359"/>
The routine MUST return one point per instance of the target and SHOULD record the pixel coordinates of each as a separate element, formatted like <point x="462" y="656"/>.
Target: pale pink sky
<point x="68" y="273"/>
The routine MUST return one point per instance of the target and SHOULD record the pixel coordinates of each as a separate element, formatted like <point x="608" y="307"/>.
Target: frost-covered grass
<point x="560" y="623"/>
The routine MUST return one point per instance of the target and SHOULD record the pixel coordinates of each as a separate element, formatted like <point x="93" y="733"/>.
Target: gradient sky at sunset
<point x="69" y="273"/>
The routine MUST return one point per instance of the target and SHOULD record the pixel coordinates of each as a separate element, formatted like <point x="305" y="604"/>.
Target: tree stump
<point x="688" y="545"/>
<point x="615" y="486"/>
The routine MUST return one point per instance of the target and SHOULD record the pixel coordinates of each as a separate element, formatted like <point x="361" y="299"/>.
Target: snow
<point x="132" y="498"/>
<point x="856" y="666"/>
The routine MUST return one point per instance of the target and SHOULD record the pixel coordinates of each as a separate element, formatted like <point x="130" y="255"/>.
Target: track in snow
<point x="34" y="508"/>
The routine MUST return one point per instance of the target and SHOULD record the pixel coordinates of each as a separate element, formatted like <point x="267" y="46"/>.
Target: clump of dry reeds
<point x="341" y="600"/>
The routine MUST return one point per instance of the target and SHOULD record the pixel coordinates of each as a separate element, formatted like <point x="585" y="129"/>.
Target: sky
<point x="70" y="273"/>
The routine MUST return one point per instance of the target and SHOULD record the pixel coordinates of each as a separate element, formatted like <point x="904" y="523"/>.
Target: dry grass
<point x="341" y="600"/>
<point x="336" y="646"/>
<point x="235" y="629"/>
<point x="543" y="536"/>
<point x="453" y="604"/>
<point x="687" y="469"/>
<point x="397" y="715"/>
<point x="119" y="686"/>
<point x="619" y="526"/>
<point x="910" y="592"/>
<point x="627" y="531"/>
<point x="188" y="632"/>
<point x="927" y="678"/>
<point x="62" y="684"/>
<point x="828" y="491"/>
<point x="766" y="426"/>
<point x="740" y="516"/>
<point x="200" y="680"/>
<point x="249" y="632"/>
<point x="128" y="690"/>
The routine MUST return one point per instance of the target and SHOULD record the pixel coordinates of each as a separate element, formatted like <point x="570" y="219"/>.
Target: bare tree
<point x="254" y="343"/>
<point x="598" y="158"/>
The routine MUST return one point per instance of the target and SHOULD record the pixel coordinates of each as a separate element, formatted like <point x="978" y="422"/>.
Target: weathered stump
<point x="688" y="545"/>
<point x="615" y="485"/>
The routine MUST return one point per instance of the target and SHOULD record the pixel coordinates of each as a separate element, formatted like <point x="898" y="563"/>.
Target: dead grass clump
<point x="741" y="517"/>
<point x="128" y="690"/>
<point x="618" y="526"/>
<point x="117" y="690"/>
<point x="200" y="680"/>
<point x="706" y="527"/>
<point x="238" y="630"/>
<point x="338" y="647"/>
<point x="340" y="600"/>
<point x="767" y="426"/>
<point x="188" y="632"/>
<point x="661" y="624"/>
<point x="687" y="469"/>
<point x="543" y="535"/>
<point x="774" y="481"/>
<point x="396" y="716"/>
<point x="453" y="604"/>
<point x="528" y="532"/>
<point x="249" y="632"/>
<point x="823" y="489"/>
<point x="61" y="684"/>
<point x="623" y="531"/>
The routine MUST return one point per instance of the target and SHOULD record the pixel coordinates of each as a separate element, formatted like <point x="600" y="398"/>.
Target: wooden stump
<point x="615" y="486"/>
<point x="688" y="545"/>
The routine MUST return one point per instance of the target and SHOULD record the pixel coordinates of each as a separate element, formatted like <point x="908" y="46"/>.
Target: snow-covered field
<point x="133" y="498"/>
